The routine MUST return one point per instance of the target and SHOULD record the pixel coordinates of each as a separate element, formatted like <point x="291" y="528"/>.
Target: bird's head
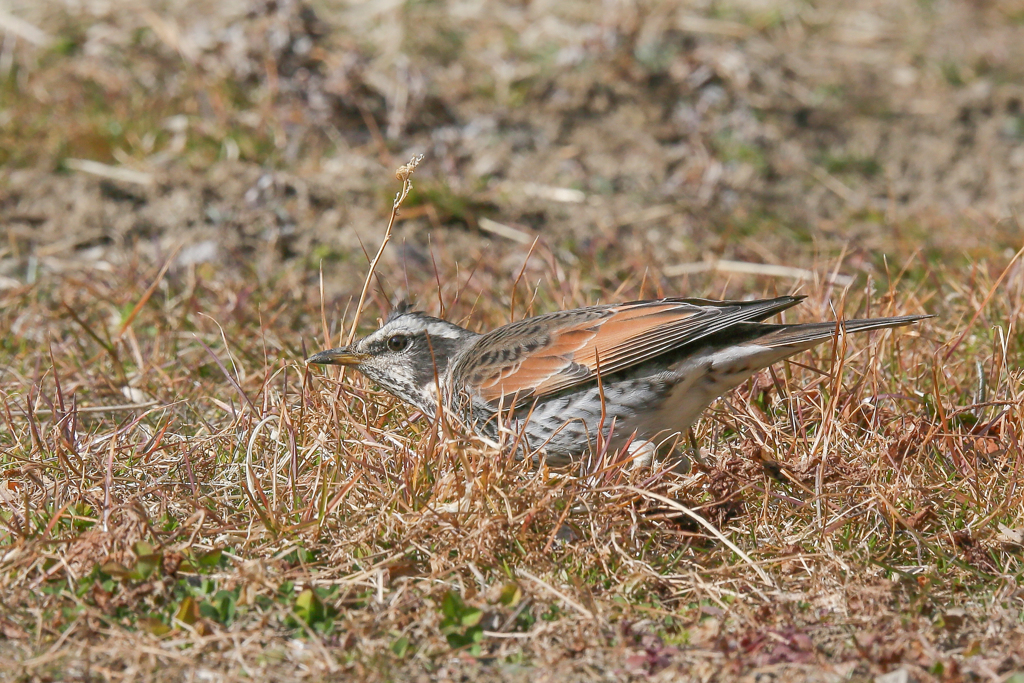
<point x="407" y="355"/>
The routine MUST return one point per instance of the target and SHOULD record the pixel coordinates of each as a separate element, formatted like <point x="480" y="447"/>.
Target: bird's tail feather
<point x="811" y="333"/>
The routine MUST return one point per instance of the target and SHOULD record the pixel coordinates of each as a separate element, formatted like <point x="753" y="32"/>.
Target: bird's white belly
<point x="696" y="383"/>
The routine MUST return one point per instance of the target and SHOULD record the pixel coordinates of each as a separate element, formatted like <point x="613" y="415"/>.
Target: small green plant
<point x="221" y="607"/>
<point x="461" y="623"/>
<point x="311" y="609"/>
<point x="400" y="646"/>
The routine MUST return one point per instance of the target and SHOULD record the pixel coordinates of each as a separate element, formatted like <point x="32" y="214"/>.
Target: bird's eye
<point x="398" y="342"/>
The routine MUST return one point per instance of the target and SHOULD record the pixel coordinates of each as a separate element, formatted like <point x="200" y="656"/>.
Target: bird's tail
<point x="809" y="334"/>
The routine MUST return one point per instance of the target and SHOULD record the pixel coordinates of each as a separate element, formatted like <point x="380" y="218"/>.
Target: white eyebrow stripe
<point x="405" y="325"/>
<point x="442" y="331"/>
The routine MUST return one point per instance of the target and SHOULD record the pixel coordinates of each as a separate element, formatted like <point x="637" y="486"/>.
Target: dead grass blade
<point x="707" y="525"/>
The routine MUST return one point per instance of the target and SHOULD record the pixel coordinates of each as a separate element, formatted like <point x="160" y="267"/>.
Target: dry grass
<point x="244" y="516"/>
<point x="181" y="498"/>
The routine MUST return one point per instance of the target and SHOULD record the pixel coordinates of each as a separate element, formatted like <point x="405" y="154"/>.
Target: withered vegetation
<point x="191" y="198"/>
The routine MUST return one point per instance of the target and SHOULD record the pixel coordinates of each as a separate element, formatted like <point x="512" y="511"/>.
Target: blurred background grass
<point x="264" y="134"/>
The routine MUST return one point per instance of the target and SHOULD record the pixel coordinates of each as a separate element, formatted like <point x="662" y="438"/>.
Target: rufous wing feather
<point x="547" y="354"/>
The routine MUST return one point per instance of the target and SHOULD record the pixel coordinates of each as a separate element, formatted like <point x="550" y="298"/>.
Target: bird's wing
<point x="549" y="353"/>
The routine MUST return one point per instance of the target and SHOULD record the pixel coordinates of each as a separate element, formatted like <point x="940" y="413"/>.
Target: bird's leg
<point x="648" y="453"/>
<point x="642" y="453"/>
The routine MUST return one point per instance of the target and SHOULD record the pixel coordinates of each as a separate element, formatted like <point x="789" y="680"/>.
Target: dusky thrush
<point x="638" y="373"/>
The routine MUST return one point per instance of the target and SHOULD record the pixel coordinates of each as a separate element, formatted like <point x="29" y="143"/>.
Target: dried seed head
<point x="404" y="172"/>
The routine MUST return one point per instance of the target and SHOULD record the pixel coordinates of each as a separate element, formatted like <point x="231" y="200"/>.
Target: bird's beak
<point x="343" y="356"/>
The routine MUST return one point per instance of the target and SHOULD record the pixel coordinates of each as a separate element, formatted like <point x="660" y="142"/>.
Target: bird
<point x="632" y="376"/>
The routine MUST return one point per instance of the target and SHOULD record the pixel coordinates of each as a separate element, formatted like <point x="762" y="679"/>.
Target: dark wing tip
<point x="778" y="303"/>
